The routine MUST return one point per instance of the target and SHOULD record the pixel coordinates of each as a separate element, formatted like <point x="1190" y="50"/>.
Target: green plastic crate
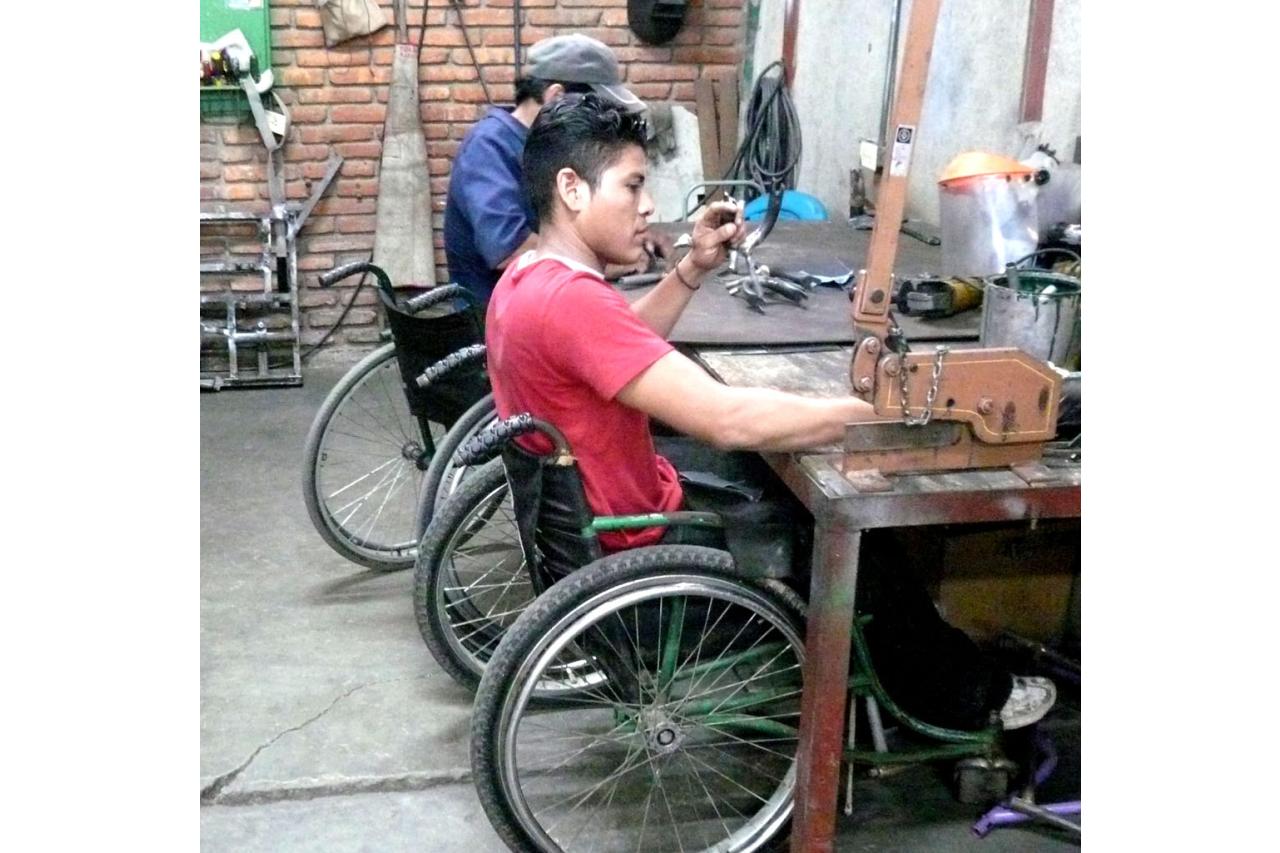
<point x="219" y="17"/>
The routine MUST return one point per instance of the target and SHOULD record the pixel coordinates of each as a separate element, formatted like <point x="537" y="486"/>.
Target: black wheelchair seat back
<point x="552" y="515"/>
<point x="422" y="340"/>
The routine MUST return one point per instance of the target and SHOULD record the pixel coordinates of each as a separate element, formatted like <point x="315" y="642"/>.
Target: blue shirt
<point x="487" y="215"/>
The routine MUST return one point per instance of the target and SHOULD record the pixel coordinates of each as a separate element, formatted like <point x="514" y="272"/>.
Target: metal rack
<point x="278" y="267"/>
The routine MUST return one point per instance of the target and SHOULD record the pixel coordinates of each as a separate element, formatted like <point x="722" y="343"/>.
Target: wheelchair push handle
<point x="439" y="294"/>
<point x="347" y="270"/>
<point x="451" y="362"/>
<point x="488" y="443"/>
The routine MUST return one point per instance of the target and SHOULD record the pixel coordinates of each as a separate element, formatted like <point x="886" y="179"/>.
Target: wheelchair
<point x="369" y="452"/>
<point x="648" y="699"/>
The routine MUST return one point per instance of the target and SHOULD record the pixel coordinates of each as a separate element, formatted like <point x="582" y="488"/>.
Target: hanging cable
<point x="343" y="316"/>
<point x="770" y="150"/>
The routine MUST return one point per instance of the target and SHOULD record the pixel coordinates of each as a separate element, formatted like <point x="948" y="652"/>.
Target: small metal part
<point x="986" y="406"/>
<point x="865" y="384"/>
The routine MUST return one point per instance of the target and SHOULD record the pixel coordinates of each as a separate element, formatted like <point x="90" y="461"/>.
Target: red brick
<point x="434" y="93"/>
<point x="240" y="192"/>
<point x="208" y="134"/>
<point x="307" y="19"/>
<point x="612" y="36"/>
<point x="506" y="37"/>
<point x="439" y="165"/>
<point x="317" y="58"/>
<point x="644" y="53"/>
<point x="444" y="148"/>
<point x="439" y="187"/>
<point x="650" y="91"/>
<point x="563" y="18"/>
<point x="706" y="54"/>
<point x="301" y="77"/>
<point x="443" y="73"/>
<point x="468" y="93"/>
<point x="297" y="153"/>
<point x="618" y="18"/>
<point x="485" y="56"/>
<point x="450" y="112"/>
<point x="336" y="95"/>
<point x="335" y="133"/>
<point x="721" y="36"/>
<point x="499" y="74"/>
<point x="358" y="150"/>
<point x="314" y="297"/>
<point x="309" y="115"/>
<point x="281" y="18"/>
<point x="210" y="171"/>
<point x="359" y="188"/>
<point x="358" y="75"/>
<point x="336" y="205"/>
<point x="722" y="18"/>
<point x="650" y="73"/>
<point x="429" y="55"/>
<point x="477" y="17"/>
<point x="250" y="172"/>
<point x="599" y="3"/>
<point x="436" y="131"/>
<point x="358" y="169"/>
<point x="337" y="243"/>
<point x="241" y="134"/>
<point x="451" y="37"/>
<point x="297" y="38"/>
<point x="370" y="113"/>
<point x="683" y="92"/>
<point x="383" y="56"/>
<point x="356" y="224"/>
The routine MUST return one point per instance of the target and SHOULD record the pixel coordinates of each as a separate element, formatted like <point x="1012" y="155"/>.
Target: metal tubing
<point x="826" y="674"/>
<point x="790" y="24"/>
<point x="890" y="74"/>
<point x="1051" y="813"/>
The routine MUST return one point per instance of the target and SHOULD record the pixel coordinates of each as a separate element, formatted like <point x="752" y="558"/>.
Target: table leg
<point x="826" y="673"/>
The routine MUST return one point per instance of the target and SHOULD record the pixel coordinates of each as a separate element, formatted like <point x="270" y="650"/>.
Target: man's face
<point x="614" y="222"/>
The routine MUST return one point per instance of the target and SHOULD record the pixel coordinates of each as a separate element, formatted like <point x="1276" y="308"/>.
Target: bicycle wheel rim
<point x="367" y="470"/>
<point x="536" y="793"/>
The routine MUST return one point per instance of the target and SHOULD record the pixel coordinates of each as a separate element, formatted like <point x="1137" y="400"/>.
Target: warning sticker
<point x="903" y="139"/>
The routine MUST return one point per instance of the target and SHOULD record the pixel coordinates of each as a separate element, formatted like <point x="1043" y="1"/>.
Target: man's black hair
<point x="580" y="132"/>
<point x="536" y="87"/>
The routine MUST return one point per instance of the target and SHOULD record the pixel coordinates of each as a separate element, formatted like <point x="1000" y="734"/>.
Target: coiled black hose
<point x="770" y="150"/>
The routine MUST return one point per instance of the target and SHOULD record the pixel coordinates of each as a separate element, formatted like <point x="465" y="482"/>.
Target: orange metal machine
<point x="950" y="409"/>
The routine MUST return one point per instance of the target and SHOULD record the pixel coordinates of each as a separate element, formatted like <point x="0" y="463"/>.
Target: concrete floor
<point x="325" y="723"/>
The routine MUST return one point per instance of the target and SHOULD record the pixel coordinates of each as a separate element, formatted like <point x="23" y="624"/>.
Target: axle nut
<point x="890" y="365"/>
<point x="872" y="346"/>
<point x="864" y="384"/>
<point x="986" y="406"/>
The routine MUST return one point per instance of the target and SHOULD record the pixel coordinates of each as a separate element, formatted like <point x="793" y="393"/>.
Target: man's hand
<point x="719" y="227"/>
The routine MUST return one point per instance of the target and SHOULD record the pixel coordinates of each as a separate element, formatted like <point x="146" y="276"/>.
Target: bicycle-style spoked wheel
<point x="688" y="744"/>
<point x="365" y="458"/>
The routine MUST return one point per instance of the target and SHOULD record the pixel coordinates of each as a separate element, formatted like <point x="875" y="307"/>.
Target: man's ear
<point x="573" y="190"/>
<point x="554" y="92"/>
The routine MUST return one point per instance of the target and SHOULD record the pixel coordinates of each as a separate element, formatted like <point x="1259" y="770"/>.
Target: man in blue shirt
<point x="487" y="219"/>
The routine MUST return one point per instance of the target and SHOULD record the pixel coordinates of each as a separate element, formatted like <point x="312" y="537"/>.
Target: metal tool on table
<point x="948" y="409"/>
<point x="757" y="284"/>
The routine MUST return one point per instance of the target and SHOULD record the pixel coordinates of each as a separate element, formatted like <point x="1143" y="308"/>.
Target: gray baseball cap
<point x="581" y="59"/>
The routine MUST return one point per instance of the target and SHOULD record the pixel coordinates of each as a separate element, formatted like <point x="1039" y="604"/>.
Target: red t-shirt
<point x="561" y="344"/>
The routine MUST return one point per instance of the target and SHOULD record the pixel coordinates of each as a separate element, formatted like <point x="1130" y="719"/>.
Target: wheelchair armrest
<point x="452" y="361"/>
<point x="489" y="442"/>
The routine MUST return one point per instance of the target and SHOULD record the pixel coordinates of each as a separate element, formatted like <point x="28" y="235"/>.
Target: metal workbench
<point x="841" y="514"/>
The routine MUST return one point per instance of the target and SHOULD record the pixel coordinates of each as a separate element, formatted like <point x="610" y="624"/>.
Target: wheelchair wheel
<point x="363" y="466"/>
<point x="470" y="581"/>
<point x="443" y="477"/>
<point x="688" y="743"/>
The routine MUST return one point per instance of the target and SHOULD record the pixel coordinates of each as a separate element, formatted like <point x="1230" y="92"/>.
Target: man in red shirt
<point x="566" y="347"/>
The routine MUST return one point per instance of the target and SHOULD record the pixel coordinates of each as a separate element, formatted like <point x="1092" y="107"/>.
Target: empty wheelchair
<point x="376" y="434"/>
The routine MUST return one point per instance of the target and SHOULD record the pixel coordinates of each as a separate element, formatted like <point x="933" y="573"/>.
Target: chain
<point x="932" y="395"/>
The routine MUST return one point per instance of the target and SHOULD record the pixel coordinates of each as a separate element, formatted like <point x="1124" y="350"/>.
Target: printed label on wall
<point x="903" y="139"/>
<point x="244" y="4"/>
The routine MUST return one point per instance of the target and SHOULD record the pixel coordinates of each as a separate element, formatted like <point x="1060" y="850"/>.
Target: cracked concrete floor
<point x="325" y="723"/>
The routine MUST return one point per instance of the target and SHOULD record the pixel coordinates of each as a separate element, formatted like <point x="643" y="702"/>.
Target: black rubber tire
<point x="548" y="617"/>
<point x="432" y="495"/>
<point x="400" y="548"/>
<point x="434" y="568"/>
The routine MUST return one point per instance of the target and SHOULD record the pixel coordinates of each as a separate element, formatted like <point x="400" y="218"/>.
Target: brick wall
<point x="337" y="97"/>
